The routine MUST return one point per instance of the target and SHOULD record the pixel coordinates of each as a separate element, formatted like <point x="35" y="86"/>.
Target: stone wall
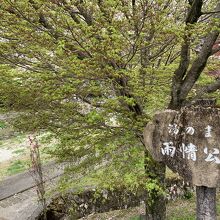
<point x="93" y="201"/>
<point x="90" y="201"/>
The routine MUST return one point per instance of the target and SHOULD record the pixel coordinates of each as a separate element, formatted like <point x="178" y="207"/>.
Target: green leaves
<point x="90" y="76"/>
<point x="2" y="125"/>
<point x="94" y="117"/>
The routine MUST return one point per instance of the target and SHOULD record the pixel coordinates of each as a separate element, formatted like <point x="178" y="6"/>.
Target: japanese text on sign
<point x="189" y="151"/>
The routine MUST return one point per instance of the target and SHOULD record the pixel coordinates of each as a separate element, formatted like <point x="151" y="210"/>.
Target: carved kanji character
<point x="212" y="155"/>
<point x="189" y="150"/>
<point x="169" y="149"/>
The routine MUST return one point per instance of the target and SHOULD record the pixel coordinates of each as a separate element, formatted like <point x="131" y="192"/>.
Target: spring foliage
<point x="92" y="73"/>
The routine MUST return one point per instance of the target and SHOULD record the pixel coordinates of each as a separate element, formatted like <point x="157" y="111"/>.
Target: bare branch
<point x="210" y="12"/>
<point x="162" y="49"/>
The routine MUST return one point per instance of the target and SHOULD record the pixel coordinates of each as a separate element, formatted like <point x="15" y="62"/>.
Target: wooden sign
<point x="188" y="142"/>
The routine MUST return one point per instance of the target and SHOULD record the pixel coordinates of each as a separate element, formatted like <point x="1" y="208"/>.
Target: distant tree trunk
<point x="206" y="203"/>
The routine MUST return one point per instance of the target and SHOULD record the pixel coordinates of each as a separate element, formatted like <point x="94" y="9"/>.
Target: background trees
<point x="93" y="73"/>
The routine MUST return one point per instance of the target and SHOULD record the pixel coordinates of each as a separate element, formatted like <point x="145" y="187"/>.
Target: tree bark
<point x="155" y="200"/>
<point x="206" y="203"/>
<point x="186" y="76"/>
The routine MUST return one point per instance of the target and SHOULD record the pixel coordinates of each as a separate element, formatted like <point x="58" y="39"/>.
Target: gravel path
<point x="18" y="197"/>
<point x="5" y="155"/>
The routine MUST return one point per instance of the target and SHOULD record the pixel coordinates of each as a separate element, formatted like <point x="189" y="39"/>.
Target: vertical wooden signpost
<point x="188" y="142"/>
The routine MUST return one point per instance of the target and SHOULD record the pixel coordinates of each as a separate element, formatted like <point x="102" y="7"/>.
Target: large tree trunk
<point x="206" y="203"/>
<point x="155" y="200"/>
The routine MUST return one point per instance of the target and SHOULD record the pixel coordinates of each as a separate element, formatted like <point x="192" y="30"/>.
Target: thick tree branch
<point x="199" y="64"/>
<point x="194" y="12"/>
<point x="210" y="88"/>
<point x="184" y="80"/>
<point x="192" y="17"/>
<point x="123" y="91"/>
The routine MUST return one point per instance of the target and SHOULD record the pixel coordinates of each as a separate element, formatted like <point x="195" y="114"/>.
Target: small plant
<point x="188" y="194"/>
<point x="37" y="174"/>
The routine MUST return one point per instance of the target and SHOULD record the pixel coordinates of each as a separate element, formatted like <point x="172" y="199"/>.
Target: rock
<point x="188" y="142"/>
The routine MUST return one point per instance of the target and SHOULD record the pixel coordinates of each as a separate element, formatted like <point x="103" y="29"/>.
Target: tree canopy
<point x="93" y="73"/>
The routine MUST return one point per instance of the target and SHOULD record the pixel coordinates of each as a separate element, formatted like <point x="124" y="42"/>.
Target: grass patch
<point x="182" y="209"/>
<point x="13" y="142"/>
<point x="16" y="167"/>
<point x="136" y="218"/>
<point x="19" y="151"/>
<point x="19" y="146"/>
